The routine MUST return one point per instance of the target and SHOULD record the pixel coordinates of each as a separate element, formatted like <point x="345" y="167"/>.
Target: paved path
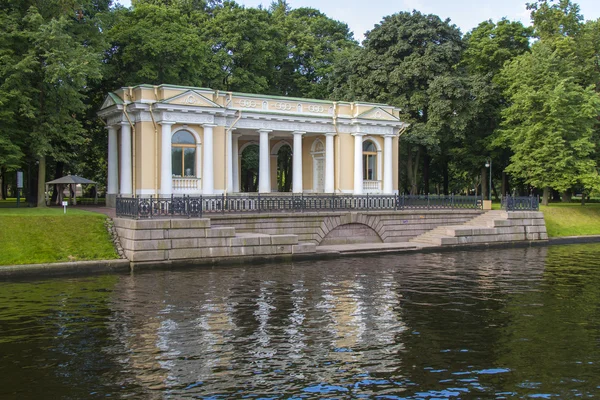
<point x="367" y="248"/>
<point x="108" y="211"/>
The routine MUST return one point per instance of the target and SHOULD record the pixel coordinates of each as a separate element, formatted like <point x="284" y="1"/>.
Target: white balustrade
<point x="372" y="185"/>
<point x="186" y="184"/>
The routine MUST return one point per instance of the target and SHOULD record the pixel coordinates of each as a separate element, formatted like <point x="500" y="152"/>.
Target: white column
<point x="166" y="167"/>
<point x="358" y="167"/>
<point x="126" y="167"/>
<point x="388" y="187"/>
<point x="112" y="182"/>
<point x="329" y="162"/>
<point x="235" y="162"/>
<point x="297" y="163"/>
<point x="264" y="172"/>
<point x="208" y="185"/>
<point x="230" y="165"/>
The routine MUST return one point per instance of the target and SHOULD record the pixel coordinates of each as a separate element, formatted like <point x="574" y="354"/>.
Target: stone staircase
<point x="492" y="226"/>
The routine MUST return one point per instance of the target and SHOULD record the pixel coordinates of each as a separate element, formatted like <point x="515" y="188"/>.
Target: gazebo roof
<point x="70" y="179"/>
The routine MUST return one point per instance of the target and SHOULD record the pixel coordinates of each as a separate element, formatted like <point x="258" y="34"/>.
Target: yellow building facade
<point x="171" y="140"/>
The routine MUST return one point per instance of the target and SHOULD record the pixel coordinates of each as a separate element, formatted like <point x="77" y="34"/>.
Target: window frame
<point x="184" y="146"/>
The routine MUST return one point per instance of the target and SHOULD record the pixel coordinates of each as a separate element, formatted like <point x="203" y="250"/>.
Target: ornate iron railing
<point x="514" y="203"/>
<point x="197" y="206"/>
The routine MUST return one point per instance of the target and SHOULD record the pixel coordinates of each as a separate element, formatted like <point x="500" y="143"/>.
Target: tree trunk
<point x="411" y="170"/>
<point x="3" y="183"/>
<point x="41" y="197"/>
<point x="583" y="198"/>
<point x="426" y="165"/>
<point x="445" y="177"/>
<point x="565" y="197"/>
<point x="546" y="196"/>
<point x="58" y="173"/>
<point x="484" y="183"/>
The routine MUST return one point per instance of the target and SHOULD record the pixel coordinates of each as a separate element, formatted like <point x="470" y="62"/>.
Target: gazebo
<point x="71" y="180"/>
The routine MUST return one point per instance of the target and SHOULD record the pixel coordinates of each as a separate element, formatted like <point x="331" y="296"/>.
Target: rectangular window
<point x="176" y="164"/>
<point x="369" y="167"/>
<point x="189" y="162"/>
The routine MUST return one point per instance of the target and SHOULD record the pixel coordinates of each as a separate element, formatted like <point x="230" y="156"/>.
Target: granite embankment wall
<point x="346" y="227"/>
<point x="188" y="239"/>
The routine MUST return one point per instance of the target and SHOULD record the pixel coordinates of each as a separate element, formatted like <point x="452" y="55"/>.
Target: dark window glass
<point x="177" y="165"/>
<point x="369" y="146"/>
<point x="189" y="161"/>
<point x="183" y="137"/>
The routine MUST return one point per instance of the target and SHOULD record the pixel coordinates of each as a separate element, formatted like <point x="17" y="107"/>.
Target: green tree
<point x="489" y="46"/>
<point x="312" y="41"/>
<point x="550" y="122"/>
<point x="157" y="43"/>
<point x="48" y="61"/>
<point x="400" y="60"/>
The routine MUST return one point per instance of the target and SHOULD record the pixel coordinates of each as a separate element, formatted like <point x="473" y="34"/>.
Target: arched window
<point x="369" y="161"/>
<point x="183" y="154"/>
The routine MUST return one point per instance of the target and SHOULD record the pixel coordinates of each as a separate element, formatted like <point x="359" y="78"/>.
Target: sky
<point x="362" y="15"/>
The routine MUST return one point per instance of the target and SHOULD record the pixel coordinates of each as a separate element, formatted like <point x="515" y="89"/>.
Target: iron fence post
<point x="201" y="206"/>
<point x="136" y="206"/>
<point x="151" y="207"/>
<point x="259" y="205"/>
<point x="332" y="201"/>
<point x="223" y="203"/>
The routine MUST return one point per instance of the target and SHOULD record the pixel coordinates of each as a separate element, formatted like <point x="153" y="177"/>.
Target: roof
<point x="70" y="179"/>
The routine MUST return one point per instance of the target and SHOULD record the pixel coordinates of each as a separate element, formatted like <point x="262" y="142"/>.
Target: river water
<point x="510" y="323"/>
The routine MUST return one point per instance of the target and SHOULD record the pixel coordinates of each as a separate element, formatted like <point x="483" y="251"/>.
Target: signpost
<point x="19" y="186"/>
<point x="65" y="204"/>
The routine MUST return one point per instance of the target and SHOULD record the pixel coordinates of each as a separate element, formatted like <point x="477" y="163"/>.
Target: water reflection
<point x="503" y="323"/>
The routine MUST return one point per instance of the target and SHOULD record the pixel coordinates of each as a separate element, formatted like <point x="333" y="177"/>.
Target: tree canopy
<point x="525" y="98"/>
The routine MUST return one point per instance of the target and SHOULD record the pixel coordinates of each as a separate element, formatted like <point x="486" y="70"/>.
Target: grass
<point x="42" y="235"/>
<point x="572" y="219"/>
<point x="569" y="219"/>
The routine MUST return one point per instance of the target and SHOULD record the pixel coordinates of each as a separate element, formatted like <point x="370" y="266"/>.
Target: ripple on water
<point x="503" y="323"/>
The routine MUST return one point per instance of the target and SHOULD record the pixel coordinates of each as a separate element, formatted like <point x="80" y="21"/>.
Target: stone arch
<point x="243" y="147"/>
<point x="195" y="134"/>
<point x="372" y="222"/>
<point x="275" y="148"/>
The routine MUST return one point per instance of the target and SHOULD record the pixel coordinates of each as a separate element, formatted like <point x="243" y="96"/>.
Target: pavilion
<point x="172" y="140"/>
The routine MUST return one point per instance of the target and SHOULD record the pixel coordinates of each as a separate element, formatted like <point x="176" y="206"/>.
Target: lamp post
<point x="488" y="164"/>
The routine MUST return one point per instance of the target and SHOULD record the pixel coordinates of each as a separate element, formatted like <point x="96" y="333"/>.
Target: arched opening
<point x="249" y="170"/>
<point x="284" y="168"/>
<point x="369" y="161"/>
<point x="183" y="155"/>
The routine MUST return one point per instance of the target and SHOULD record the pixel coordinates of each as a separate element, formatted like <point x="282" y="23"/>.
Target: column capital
<point x="390" y="135"/>
<point x="265" y="130"/>
<point x="299" y="133"/>
<point x="330" y="133"/>
<point x="167" y="122"/>
<point x="125" y="123"/>
<point x="208" y="125"/>
<point x="358" y="134"/>
<point x="109" y="127"/>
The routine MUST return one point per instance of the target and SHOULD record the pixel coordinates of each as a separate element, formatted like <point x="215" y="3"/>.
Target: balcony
<point x="185" y="185"/>
<point x="372" y="186"/>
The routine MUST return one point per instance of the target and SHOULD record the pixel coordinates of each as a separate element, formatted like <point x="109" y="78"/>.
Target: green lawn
<point x="572" y="219"/>
<point x="40" y="235"/>
<point x="569" y="219"/>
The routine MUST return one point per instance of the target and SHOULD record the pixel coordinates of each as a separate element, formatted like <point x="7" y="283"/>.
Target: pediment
<point x="377" y="113"/>
<point x="111" y="100"/>
<point x="191" y="98"/>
